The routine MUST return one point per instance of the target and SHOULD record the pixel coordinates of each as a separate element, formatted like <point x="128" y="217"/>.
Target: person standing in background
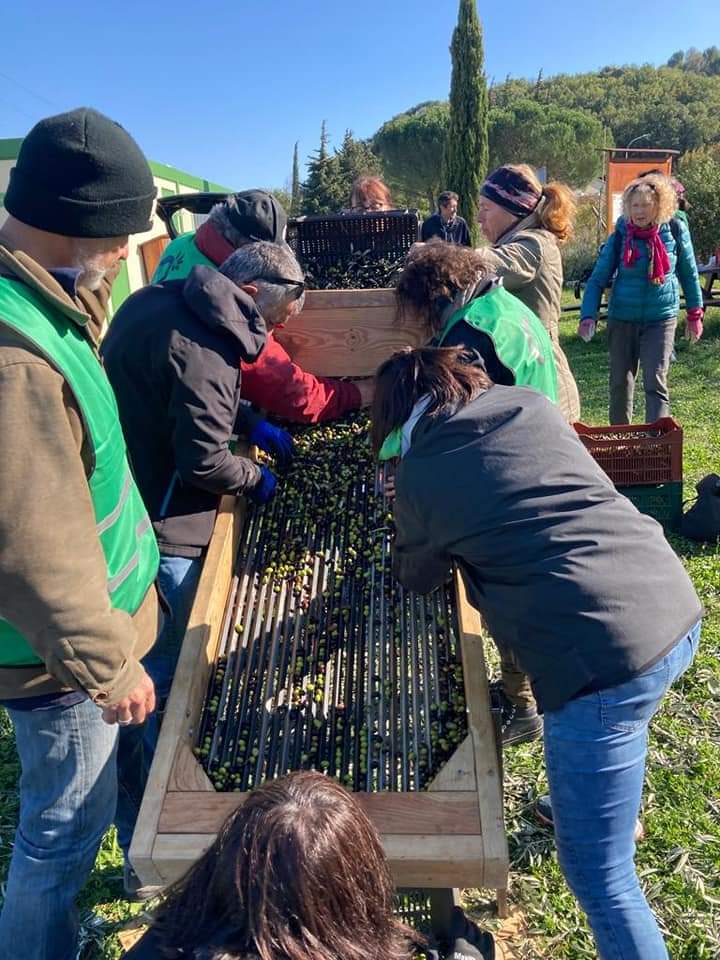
<point x="446" y="224"/>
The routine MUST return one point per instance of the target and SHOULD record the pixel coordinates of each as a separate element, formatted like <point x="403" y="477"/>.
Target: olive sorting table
<point x="303" y="652"/>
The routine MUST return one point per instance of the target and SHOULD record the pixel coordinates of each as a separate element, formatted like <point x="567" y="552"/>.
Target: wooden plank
<point x="482" y="733"/>
<point x="458" y="772"/>
<point x="348" y="333"/>
<point x="343" y="299"/>
<point x="187" y="774"/>
<point x="416" y="861"/>
<point x="185" y="701"/>
<point x="445" y="814"/>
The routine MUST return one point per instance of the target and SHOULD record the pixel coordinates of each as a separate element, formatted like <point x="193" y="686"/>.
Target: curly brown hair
<point x="433" y="276"/>
<point x="296" y="873"/>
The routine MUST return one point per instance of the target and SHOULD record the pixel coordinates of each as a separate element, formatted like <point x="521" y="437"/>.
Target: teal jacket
<point x="633" y="298"/>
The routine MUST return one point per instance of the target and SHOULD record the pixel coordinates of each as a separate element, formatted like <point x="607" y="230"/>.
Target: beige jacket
<point x="53" y="578"/>
<point x="527" y="257"/>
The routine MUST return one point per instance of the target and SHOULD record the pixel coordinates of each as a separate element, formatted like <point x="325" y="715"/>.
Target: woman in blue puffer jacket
<point x="653" y="256"/>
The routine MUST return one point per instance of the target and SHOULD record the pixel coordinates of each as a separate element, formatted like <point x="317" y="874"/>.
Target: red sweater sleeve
<point x="284" y="389"/>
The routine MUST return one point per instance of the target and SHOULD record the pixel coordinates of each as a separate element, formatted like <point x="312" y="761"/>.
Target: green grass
<point x="679" y="861"/>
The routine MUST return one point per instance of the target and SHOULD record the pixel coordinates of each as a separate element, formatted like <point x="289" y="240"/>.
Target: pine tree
<point x="296" y="189"/>
<point x="466" y="147"/>
<point x="354" y="159"/>
<point x="317" y="190"/>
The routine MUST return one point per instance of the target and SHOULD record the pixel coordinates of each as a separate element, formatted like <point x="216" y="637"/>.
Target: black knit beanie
<point x="80" y="174"/>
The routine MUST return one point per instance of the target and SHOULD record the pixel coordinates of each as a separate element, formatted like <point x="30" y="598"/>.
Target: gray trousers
<point x="632" y="345"/>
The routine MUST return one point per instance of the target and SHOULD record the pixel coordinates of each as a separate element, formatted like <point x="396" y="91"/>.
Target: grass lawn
<point x="679" y="861"/>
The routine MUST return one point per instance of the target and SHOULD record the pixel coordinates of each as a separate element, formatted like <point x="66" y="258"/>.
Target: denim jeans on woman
<point x="68" y="792"/>
<point x="177" y="579"/>
<point x="595" y="751"/>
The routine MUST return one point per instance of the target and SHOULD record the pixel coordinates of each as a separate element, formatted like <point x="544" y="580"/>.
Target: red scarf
<point x="658" y="259"/>
<point x="212" y="243"/>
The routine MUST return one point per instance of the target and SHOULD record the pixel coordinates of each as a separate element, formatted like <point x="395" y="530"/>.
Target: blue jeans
<point x="178" y="578"/>
<point x="68" y="792"/>
<point x="595" y="750"/>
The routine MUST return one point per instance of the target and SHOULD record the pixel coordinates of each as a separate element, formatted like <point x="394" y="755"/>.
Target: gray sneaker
<point x="134" y="889"/>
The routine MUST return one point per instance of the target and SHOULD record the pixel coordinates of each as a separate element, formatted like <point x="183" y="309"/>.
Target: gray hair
<point x="261" y="263"/>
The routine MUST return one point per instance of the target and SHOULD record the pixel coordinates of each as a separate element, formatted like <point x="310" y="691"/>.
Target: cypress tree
<point x="466" y="147"/>
<point x="296" y="191"/>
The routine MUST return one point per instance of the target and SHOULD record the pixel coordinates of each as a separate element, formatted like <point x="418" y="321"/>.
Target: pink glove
<point x="695" y="323"/>
<point x="587" y="328"/>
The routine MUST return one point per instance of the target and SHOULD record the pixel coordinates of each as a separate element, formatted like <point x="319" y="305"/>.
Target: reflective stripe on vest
<point x="122" y="524"/>
<point x="178" y="259"/>
<point x="521" y="342"/>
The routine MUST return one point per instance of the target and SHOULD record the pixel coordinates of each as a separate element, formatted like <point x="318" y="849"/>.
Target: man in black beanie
<point x="78" y="557"/>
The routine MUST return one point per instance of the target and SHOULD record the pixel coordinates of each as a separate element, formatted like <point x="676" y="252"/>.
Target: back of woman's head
<point x="556" y="209"/>
<point x="447" y="375"/>
<point x="370" y="194"/>
<point x="297" y="873"/>
<point x="432" y="277"/>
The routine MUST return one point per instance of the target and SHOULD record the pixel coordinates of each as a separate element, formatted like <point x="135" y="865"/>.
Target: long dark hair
<point x="296" y="873"/>
<point x="445" y="374"/>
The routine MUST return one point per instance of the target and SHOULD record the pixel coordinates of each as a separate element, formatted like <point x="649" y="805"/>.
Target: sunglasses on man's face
<point x="298" y="284"/>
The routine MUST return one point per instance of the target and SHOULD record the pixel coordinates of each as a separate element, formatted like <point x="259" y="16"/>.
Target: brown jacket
<point x="53" y="578"/>
<point x="527" y="257"/>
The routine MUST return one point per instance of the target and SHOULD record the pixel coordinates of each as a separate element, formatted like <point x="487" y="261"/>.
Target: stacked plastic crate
<point x="645" y="462"/>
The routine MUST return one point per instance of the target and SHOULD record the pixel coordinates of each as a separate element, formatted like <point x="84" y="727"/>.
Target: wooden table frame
<point x="451" y="835"/>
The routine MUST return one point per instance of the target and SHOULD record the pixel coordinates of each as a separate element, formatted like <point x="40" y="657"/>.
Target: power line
<point x="32" y="93"/>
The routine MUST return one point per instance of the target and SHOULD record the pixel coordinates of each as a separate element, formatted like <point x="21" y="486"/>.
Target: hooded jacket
<point x="582" y="588"/>
<point x="634" y="298"/>
<point x="173" y="355"/>
<point x="275" y="383"/>
<point x="53" y="575"/>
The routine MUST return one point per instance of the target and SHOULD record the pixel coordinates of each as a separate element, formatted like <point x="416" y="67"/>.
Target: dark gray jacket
<point x="567" y="574"/>
<point x="173" y="355"/>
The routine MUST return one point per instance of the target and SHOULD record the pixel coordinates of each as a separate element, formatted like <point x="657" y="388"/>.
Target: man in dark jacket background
<point x="173" y="356"/>
<point x="446" y="224"/>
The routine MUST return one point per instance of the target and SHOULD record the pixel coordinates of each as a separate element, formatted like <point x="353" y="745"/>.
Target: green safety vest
<point x="178" y="259"/>
<point x="121" y="520"/>
<point x="521" y="342"/>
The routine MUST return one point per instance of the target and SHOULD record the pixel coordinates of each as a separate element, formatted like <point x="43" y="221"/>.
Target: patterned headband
<point x="510" y="189"/>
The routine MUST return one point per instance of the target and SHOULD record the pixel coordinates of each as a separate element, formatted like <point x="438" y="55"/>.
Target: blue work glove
<point x="274" y="441"/>
<point x="265" y="488"/>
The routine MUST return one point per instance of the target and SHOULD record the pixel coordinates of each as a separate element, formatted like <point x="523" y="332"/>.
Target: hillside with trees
<point x="557" y="122"/>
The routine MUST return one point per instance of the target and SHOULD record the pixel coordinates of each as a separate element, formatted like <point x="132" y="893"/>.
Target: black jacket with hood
<point x="582" y="588"/>
<point x="173" y="355"/>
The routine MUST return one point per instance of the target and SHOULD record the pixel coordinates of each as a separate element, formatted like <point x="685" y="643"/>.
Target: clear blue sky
<point x="223" y="89"/>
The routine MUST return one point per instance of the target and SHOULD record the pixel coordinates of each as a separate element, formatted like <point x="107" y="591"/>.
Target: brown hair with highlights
<point x="445" y="374"/>
<point x="296" y="873"/>
<point x="432" y="277"/>
<point x="557" y="208"/>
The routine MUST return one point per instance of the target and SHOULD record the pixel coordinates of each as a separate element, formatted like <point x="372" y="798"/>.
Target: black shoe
<point x="544" y="813"/>
<point x="517" y="724"/>
<point x="467" y="941"/>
